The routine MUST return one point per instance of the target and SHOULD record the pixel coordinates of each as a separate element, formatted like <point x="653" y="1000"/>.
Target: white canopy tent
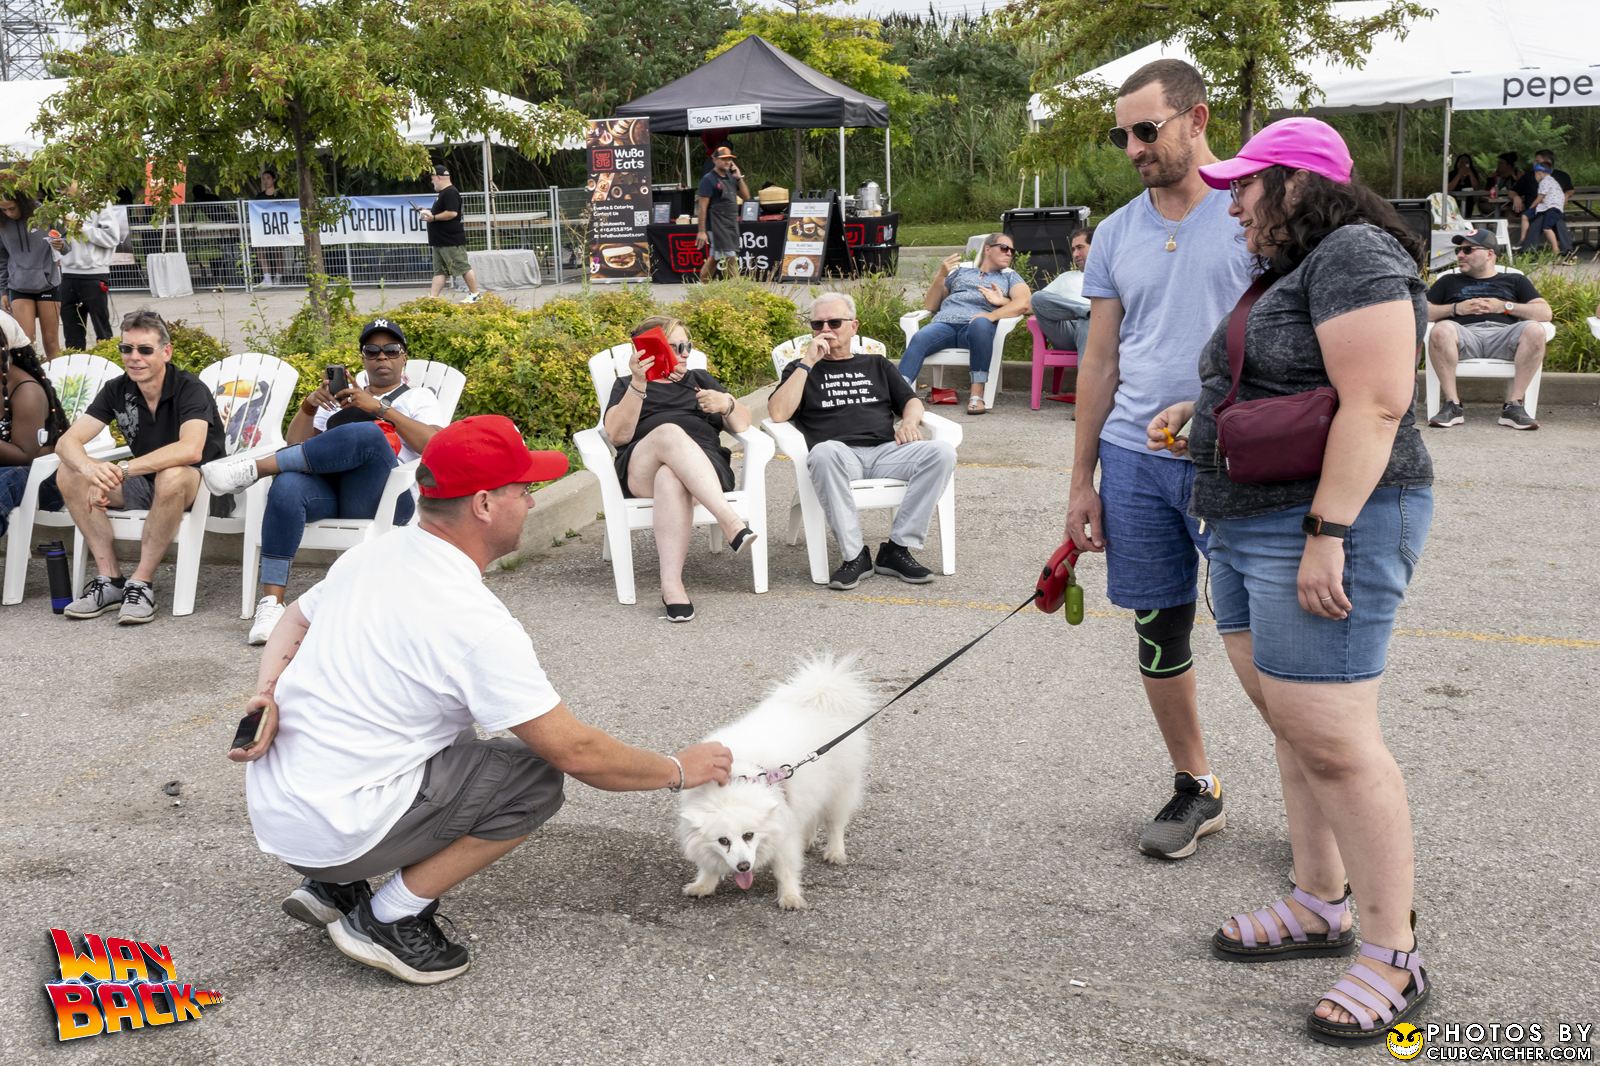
<point x="1466" y="41"/>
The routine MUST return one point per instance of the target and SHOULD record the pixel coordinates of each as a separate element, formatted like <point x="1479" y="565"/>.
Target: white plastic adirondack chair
<point x="793" y="348"/>
<point x="77" y="379"/>
<point x="913" y="320"/>
<point x="342" y="534"/>
<point x="806" y="513"/>
<point x="624" y="514"/>
<point x="252" y="392"/>
<point x="1485" y="368"/>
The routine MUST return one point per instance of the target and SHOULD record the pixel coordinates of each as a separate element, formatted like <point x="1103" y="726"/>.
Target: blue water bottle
<point x="55" y="565"/>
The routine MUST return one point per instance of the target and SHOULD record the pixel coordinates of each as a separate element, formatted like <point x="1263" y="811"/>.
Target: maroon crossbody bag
<point x="1276" y="438"/>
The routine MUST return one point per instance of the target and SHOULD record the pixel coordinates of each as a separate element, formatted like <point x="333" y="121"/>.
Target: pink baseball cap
<point x="1297" y="143"/>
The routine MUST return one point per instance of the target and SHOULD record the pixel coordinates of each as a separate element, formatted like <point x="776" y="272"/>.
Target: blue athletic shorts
<point x="1255" y="565"/>
<point x="1153" y="545"/>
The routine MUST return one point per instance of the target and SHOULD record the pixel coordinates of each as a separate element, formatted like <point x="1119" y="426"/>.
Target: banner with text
<point x="366" y="220"/>
<point x="805" y="240"/>
<point x="619" y="198"/>
<point x="1576" y="87"/>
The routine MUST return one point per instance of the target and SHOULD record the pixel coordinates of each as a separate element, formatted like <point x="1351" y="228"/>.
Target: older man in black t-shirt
<point x="170" y="422"/>
<point x="1479" y="312"/>
<point x="845" y="405"/>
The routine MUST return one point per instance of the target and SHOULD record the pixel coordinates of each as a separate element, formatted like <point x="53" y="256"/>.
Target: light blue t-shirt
<point x="1171" y="303"/>
<point x="963" y="302"/>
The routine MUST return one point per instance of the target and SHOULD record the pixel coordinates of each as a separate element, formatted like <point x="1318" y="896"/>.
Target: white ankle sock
<point x="1209" y="781"/>
<point x="394" y="901"/>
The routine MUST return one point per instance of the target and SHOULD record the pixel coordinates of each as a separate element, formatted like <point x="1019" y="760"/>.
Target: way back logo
<point x="116" y="984"/>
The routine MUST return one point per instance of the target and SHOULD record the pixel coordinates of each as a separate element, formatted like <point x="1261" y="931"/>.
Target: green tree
<point x="237" y="83"/>
<point x="625" y="55"/>
<point x="848" y="50"/>
<point x="1252" y="54"/>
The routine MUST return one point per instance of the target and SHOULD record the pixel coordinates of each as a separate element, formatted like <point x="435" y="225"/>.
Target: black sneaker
<point x="852" y="573"/>
<point x="321" y="903"/>
<point x="413" y="949"/>
<point x="1189" y="815"/>
<point x="897" y="561"/>
<point x="1516" y="416"/>
<point x="1450" y="414"/>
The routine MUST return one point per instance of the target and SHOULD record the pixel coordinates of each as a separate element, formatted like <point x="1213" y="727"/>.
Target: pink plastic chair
<point x="1043" y="356"/>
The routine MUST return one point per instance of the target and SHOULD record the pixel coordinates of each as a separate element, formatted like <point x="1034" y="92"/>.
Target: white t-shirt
<point x="1554" y="198"/>
<point x="407" y="648"/>
<point x="416" y="403"/>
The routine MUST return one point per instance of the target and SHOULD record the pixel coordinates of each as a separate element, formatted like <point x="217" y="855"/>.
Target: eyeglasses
<point x="142" y="349"/>
<point x="820" y="324"/>
<point x="1146" y="131"/>
<point x="1237" y="186"/>
<point x="379" y="351"/>
<point x="1006" y="248"/>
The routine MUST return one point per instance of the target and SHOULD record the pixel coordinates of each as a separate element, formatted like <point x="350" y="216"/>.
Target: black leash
<point x="786" y="771"/>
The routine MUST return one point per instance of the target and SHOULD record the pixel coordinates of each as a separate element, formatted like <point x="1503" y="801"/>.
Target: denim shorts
<point x="1151" y="540"/>
<point x="1255" y="564"/>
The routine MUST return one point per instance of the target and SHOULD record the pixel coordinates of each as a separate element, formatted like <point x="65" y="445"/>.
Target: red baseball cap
<point x="482" y="453"/>
<point x="1297" y="143"/>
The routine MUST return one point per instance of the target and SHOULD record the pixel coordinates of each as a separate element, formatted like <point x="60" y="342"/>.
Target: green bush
<point x="1573" y="298"/>
<point x="737" y="323"/>
<point x="880" y="301"/>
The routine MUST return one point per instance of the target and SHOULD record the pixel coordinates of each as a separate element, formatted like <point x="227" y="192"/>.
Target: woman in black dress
<point x="669" y="450"/>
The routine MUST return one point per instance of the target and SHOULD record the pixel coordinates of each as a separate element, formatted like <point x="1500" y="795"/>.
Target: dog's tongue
<point x="744" y="878"/>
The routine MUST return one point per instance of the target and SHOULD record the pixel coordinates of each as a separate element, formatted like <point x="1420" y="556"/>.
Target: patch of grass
<point x="936" y="234"/>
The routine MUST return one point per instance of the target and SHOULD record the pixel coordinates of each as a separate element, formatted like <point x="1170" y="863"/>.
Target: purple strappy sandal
<point x="1375" y="1016"/>
<point x="1300" y="943"/>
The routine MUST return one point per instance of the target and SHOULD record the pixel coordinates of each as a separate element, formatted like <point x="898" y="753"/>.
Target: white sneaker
<point x="224" y="477"/>
<point x="471" y="298"/>
<point x="268" y="611"/>
<point x="265" y="282"/>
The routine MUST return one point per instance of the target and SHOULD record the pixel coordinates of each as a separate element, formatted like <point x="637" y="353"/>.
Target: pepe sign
<point x="619" y="198"/>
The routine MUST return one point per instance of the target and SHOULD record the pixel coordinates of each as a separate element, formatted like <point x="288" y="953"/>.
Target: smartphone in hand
<point x="250" y="728"/>
<point x="338" y="379"/>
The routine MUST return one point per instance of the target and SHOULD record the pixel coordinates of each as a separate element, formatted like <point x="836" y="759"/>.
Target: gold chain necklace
<point x="1172" y="234"/>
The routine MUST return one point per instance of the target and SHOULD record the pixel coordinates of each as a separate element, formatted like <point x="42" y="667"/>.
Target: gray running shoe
<point x="1450" y="414"/>
<point x="138" y="604"/>
<point x="321" y="903"/>
<point x="1516" y="416"/>
<point x="852" y="572"/>
<point x="99" y="596"/>
<point x="1189" y="815"/>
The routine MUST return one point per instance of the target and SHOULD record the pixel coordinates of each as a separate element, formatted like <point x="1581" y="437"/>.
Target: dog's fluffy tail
<point x="830" y="685"/>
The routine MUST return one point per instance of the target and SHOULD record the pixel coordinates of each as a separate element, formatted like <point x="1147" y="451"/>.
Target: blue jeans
<point x="346" y="468"/>
<point x="13" y="479"/>
<point x="976" y="336"/>
<point x="1255" y="567"/>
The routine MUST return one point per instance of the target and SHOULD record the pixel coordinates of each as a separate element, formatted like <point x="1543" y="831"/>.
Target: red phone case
<point x="654" y="342"/>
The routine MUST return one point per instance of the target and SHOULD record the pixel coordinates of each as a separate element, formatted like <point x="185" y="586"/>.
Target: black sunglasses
<point x="142" y="349"/>
<point x="820" y="324"/>
<point x="683" y="348"/>
<point x="1146" y="131"/>
<point x="1006" y="248"/>
<point x="373" y="351"/>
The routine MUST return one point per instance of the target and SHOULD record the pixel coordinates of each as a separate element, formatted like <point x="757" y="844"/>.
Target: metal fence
<point x="215" y="240"/>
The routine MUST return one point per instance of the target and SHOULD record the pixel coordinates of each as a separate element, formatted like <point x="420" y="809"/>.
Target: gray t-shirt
<point x="963" y="301"/>
<point x="1354" y="267"/>
<point x="1170" y="302"/>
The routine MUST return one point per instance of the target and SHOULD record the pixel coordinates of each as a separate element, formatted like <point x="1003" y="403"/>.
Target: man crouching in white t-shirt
<point x="367" y="760"/>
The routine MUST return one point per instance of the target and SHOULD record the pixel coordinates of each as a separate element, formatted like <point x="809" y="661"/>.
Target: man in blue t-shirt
<point x="1166" y="268"/>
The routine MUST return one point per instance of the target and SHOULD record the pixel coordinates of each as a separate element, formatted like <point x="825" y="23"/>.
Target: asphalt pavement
<point x="995" y="909"/>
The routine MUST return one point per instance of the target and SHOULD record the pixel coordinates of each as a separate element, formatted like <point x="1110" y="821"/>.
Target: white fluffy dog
<point x="750" y="824"/>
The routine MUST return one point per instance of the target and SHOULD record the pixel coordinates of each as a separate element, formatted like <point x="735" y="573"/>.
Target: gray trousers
<point x="924" y="465"/>
<point x="1065" y="326"/>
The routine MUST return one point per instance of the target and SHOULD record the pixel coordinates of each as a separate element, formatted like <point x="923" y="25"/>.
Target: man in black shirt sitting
<point x="170" y="421"/>
<point x="1480" y="313"/>
<point x="845" y="405"/>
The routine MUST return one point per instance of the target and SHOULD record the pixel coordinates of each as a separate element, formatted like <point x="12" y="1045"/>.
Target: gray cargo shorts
<point x="1490" y="340"/>
<point x="495" y="789"/>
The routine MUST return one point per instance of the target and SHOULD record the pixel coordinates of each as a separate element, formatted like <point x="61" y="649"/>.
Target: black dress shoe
<point x="741" y="538"/>
<point x="678" y="612"/>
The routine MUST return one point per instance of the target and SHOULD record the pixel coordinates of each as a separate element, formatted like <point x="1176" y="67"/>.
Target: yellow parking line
<point x="1524" y="640"/>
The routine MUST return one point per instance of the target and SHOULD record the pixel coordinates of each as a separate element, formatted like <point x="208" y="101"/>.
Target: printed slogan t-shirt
<point x="853" y="401"/>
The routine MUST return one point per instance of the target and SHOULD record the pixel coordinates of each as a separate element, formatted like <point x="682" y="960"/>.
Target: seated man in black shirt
<point x="1480" y="313"/>
<point x="171" y="425"/>
<point x="845" y="406"/>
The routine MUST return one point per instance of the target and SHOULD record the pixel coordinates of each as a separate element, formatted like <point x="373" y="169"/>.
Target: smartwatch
<point x="1312" y="525"/>
<point x="384" y="407"/>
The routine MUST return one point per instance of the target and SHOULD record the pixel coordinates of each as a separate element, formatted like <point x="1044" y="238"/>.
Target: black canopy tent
<point x="757" y="86"/>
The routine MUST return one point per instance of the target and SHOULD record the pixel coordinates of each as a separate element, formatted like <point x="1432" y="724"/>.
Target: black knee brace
<point x="1164" y="640"/>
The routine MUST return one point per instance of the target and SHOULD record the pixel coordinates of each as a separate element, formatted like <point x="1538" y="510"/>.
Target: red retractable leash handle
<point x="1058" y="588"/>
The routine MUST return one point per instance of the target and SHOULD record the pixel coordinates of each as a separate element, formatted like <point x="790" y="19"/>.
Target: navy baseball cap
<point x="382" y="325"/>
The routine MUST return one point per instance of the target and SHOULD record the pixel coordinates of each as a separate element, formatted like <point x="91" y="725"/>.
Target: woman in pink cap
<point x="1306" y="575"/>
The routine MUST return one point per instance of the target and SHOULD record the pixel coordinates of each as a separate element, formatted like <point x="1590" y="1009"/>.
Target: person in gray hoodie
<point x="30" y="272"/>
<point x="86" y="272"/>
